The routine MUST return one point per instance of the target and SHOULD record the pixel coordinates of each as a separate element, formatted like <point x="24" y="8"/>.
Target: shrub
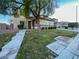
<point x="42" y="28"/>
<point x="66" y="27"/>
<point x="0" y="49"/>
<point x="20" y="26"/>
<point x="72" y="25"/>
<point x="45" y="28"/>
<point x="49" y="27"/>
<point x="53" y="27"/>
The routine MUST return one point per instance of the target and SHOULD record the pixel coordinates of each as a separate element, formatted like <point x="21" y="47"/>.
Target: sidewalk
<point x="74" y="30"/>
<point x="72" y="51"/>
<point x="10" y="50"/>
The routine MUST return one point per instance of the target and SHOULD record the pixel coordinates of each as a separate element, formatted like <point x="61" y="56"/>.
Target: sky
<point x="65" y="12"/>
<point x="63" y="2"/>
<point x="4" y="18"/>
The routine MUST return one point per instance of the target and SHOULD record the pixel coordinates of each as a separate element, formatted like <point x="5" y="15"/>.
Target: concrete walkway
<point x="72" y="51"/>
<point x="10" y="50"/>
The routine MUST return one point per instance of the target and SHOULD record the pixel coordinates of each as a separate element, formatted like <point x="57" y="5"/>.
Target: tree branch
<point x="39" y="8"/>
<point x="32" y="12"/>
<point x="18" y="2"/>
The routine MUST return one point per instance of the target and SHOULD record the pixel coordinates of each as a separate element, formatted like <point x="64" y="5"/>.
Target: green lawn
<point x="34" y="44"/>
<point x="5" y="38"/>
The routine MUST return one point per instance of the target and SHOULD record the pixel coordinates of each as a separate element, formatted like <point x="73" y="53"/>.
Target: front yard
<point x="34" y="44"/>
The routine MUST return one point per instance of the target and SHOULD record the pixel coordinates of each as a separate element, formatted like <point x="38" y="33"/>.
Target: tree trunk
<point x="38" y="24"/>
<point x="33" y="24"/>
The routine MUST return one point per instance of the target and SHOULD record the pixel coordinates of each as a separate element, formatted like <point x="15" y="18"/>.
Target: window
<point x="22" y="23"/>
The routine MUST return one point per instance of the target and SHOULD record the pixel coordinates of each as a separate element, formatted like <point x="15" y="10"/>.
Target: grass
<point x="5" y="38"/>
<point x="34" y="44"/>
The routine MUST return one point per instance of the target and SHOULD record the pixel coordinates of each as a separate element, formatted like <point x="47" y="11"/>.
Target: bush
<point x="66" y="27"/>
<point x="42" y="28"/>
<point x="20" y="26"/>
<point x="49" y="27"/>
<point x="53" y="27"/>
<point x="45" y="28"/>
<point x="72" y="25"/>
<point x="0" y="49"/>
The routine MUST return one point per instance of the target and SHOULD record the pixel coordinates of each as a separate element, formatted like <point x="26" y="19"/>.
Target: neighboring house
<point x="48" y="22"/>
<point x="62" y="24"/>
<point x="4" y="26"/>
<point x="29" y="22"/>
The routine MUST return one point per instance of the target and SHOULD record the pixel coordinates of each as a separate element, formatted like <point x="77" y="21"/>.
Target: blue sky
<point x="62" y="2"/>
<point x="6" y="18"/>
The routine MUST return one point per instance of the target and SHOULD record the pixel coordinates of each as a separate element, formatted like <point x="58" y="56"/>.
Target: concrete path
<point x="69" y="52"/>
<point x="72" y="51"/>
<point x="10" y="50"/>
<point x="56" y="47"/>
<point x="60" y="43"/>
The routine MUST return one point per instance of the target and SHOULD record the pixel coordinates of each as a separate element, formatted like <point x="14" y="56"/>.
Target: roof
<point x="4" y="24"/>
<point x="44" y="18"/>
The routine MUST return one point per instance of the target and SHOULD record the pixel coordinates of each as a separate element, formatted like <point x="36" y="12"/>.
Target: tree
<point x="9" y="7"/>
<point x="3" y="6"/>
<point x="72" y="25"/>
<point x="40" y="8"/>
<point x="34" y="7"/>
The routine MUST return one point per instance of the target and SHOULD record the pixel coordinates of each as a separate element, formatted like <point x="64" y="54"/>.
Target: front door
<point x="29" y="24"/>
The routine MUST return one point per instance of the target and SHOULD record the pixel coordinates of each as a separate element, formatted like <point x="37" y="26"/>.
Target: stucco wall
<point x="16" y="22"/>
<point x="43" y="23"/>
<point x="46" y="23"/>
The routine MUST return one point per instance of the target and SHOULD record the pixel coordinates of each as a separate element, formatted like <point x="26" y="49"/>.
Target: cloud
<point x="66" y="12"/>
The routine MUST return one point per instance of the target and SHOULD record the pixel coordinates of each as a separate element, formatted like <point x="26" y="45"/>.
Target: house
<point x="48" y="22"/>
<point x="29" y="22"/>
<point x="4" y="26"/>
<point x="62" y="24"/>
